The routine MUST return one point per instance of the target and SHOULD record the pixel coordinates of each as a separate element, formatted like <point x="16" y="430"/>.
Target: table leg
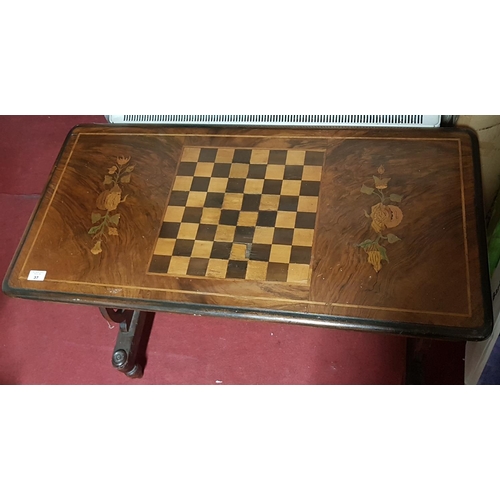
<point x="128" y="340"/>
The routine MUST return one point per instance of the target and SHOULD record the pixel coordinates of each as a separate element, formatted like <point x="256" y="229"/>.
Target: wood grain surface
<point x="396" y="242"/>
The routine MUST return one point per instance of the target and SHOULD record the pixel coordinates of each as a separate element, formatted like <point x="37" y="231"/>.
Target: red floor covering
<point x="50" y="343"/>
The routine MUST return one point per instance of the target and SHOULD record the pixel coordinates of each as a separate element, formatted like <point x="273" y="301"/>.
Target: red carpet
<point x="47" y="343"/>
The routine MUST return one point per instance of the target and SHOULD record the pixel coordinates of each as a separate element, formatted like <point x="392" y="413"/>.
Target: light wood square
<point x="225" y="233"/>
<point x="217" y="185"/>
<point x="308" y="204"/>
<point x="303" y="237"/>
<point x="298" y="273"/>
<point x="239" y="170"/>
<point x="291" y="188"/>
<point x="204" y="169"/>
<point x="248" y="219"/>
<point x="210" y="216"/>
<point x="196" y="199"/>
<point x="191" y="154"/>
<point x="224" y="155"/>
<point x="202" y="249"/>
<point x="254" y="186"/>
<point x="263" y="235"/>
<point x="182" y="183"/>
<point x="311" y="173"/>
<point x="280" y="253"/>
<point x="275" y="172"/>
<point x="256" y="271"/>
<point x="269" y="202"/>
<point x="232" y="201"/>
<point x="173" y="214"/>
<point x="295" y="157"/>
<point x="216" y="268"/>
<point x="178" y="265"/>
<point x="187" y="231"/>
<point x="259" y="157"/>
<point x="164" y="246"/>
<point x="286" y="219"/>
<point x="238" y="251"/>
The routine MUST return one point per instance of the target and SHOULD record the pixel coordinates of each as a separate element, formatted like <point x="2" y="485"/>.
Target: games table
<point x="379" y="230"/>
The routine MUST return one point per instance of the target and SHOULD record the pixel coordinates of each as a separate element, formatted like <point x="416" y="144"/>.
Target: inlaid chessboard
<point x="246" y="214"/>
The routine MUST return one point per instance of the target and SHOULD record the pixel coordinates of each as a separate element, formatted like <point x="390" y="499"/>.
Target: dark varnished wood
<point x="433" y="283"/>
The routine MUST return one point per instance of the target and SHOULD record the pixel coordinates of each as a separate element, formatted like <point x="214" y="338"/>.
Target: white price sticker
<point x="36" y="275"/>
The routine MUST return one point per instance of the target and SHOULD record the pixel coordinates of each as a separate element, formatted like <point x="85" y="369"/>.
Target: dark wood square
<point x="200" y="184"/>
<point x="256" y="172"/>
<point x="214" y="200"/>
<point x="314" y="158"/>
<point x="237" y="269"/>
<point x="178" y="198"/>
<point x="277" y="271"/>
<point x="229" y="217"/>
<point x="183" y="248"/>
<point x="300" y="255"/>
<point x="208" y="154"/>
<point x="192" y="214"/>
<point x="197" y="267"/>
<point x="159" y="264"/>
<point x="206" y="232"/>
<point x="244" y="234"/>
<point x="260" y="252"/>
<point x="221" y="250"/>
<point x="251" y="203"/>
<point x="169" y="230"/>
<point x="277" y="157"/>
<point x="242" y="156"/>
<point x="272" y="186"/>
<point x="221" y="170"/>
<point x="235" y="186"/>
<point x="310" y="188"/>
<point x="293" y="172"/>
<point x="283" y="236"/>
<point x="305" y="220"/>
<point x="187" y="168"/>
<point x="288" y="203"/>
<point x="267" y="218"/>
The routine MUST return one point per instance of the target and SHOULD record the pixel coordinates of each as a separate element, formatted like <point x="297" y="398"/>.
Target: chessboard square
<point x="275" y="172"/>
<point x="248" y="219"/>
<point x="308" y="204"/>
<point x="164" y="246"/>
<point x="288" y="203"/>
<point x="178" y="265"/>
<point x="186" y="168"/>
<point x="229" y="217"/>
<point x="224" y="155"/>
<point x="244" y="234"/>
<point x="207" y="154"/>
<point x="191" y="154"/>
<point x="214" y="200"/>
<point x="159" y="264"/>
<point x="256" y="271"/>
<point x="289" y="187"/>
<point x="312" y="173"/>
<point x="272" y="186"/>
<point x="253" y="186"/>
<point x="169" y="230"/>
<point x="314" y="158"/>
<point x="216" y="268"/>
<point x="310" y="188"/>
<point x="299" y="273"/>
<point x="269" y="202"/>
<point x="210" y="215"/>
<point x="300" y="255"/>
<point x="200" y="184"/>
<point x="283" y="236"/>
<point x="305" y="220"/>
<point x="197" y="267"/>
<point x="217" y="185"/>
<point x="235" y="186"/>
<point x="202" y="249"/>
<point x="239" y="171"/>
<point x="221" y="250"/>
<point x="206" y="232"/>
<point x="173" y="214"/>
<point x="242" y="155"/>
<point x="267" y="218"/>
<point x="286" y="219"/>
<point x="259" y="156"/>
<point x="251" y="202"/>
<point x="277" y="157"/>
<point x="233" y="201"/>
<point x="196" y="199"/>
<point x="183" y="248"/>
<point x="257" y="171"/>
<point x="192" y="214"/>
<point x="221" y="170"/>
<point x="260" y="252"/>
<point x="178" y="198"/>
<point x="236" y="269"/>
<point x="187" y="231"/>
<point x="303" y="237"/>
<point x="280" y="253"/>
<point x="238" y="251"/>
<point x="225" y="233"/>
<point x="295" y="157"/>
<point x="293" y="172"/>
<point x="204" y="169"/>
<point x="277" y="272"/>
<point x="182" y="183"/>
<point x="263" y="235"/>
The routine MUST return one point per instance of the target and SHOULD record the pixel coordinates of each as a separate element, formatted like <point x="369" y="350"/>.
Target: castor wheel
<point x="136" y="372"/>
